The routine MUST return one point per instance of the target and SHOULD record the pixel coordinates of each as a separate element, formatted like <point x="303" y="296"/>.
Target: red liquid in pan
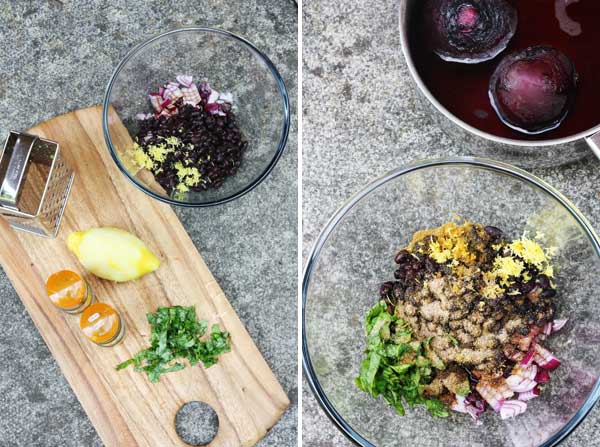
<point x="463" y="88"/>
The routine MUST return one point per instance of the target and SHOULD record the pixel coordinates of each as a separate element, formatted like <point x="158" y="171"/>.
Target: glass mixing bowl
<point x="231" y="64"/>
<point x="355" y="254"/>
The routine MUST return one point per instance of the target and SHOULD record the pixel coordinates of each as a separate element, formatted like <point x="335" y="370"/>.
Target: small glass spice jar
<point x="69" y="291"/>
<point x="102" y="324"/>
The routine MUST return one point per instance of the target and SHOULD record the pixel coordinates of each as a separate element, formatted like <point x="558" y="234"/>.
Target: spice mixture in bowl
<point x="207" y="112"/>
<point x="479" y="330"/>
<point x="461" y="327"/>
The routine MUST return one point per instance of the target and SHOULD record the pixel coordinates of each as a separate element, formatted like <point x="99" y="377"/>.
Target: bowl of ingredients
<point x="454" y="300"/>
<point x="196" y="116"/>
<point x="513" y="80"/>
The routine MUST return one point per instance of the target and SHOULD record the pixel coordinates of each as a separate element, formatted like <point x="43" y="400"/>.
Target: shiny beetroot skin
<point x="469" y="31"/>
<point x="533" y="90"/>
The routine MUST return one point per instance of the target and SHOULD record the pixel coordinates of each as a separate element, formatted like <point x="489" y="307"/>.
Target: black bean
<point x="550" y="293"/>
<point x="217" y="138"/>
<point x="527" y="287"/>
<point x="535" y="293"/>
<point x="493" y="232"/>
<point x="398" y="291"/>
<point x="544" y="281"/>
<point x="386" y="288"/>
<point x="402" y="256"/>
<point x="430" y="266"/>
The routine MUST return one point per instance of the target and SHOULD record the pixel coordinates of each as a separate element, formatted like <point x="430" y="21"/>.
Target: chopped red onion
<point x="214" y="95"/>
<point x="543" y="376"/>
<point x="205" y="90"/>
<point x="526" y="372"/>
<point x="528" y="358"/>
<point x="557" y="325"/>
<point x="512" y="408"/>
<point x="191" y="95"/>
<point x="459" y="405"/>
<point x="528" y="395"/>
<point x="515" y="356"/>
<point x="545" y="358"/>
<point x="462" y="405"/>
<point x="172" y="92"/>
<point x="185" y="80"/>
<point x="212" y="108"/>
<point x="156" y="100"/>
<point x="476" y="400"/>
<point x="524" y="342"/>
<point x="165" y="103"/>
<point x="226" y="97"/>
<point x="520" y="384"/>
<point x="494" y="394"/>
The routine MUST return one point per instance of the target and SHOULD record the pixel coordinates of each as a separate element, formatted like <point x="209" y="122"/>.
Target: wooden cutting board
<point x="126" y="409"/>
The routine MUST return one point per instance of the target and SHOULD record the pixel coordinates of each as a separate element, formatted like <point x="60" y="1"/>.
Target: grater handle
<point x="13" y="164"/>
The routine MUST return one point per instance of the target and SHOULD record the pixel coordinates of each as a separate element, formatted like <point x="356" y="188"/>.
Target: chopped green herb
<point x="175" y="334"/>
<point x="395" y="366"/>
<point x="453" y="339"/>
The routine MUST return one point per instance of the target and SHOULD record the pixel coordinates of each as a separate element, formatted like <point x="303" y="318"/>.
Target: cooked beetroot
<point x="533" y="90"/>
<point x="469" y="31"/>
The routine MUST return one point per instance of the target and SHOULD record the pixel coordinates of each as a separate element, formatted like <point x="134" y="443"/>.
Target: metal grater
<point x="35" y="183"/>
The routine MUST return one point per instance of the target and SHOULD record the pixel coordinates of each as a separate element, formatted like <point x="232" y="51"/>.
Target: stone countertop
<point x="361" y="119"/>
<point x="58" y="56"/>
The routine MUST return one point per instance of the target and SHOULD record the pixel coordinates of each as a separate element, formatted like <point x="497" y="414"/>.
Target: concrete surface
<point x="58" y="56"/>
<point x="362" y="119"/>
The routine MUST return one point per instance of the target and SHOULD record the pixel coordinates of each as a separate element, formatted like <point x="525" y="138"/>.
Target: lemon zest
<point x="507" y="268"/>
<point x="141" y="158"/>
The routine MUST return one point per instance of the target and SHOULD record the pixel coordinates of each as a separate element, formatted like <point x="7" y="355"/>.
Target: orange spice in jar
<point x="102" y="324"/>
<point x="69" y="291"/>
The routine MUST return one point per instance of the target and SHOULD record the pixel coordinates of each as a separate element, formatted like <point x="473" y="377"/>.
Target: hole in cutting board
<point x="196" y="423"/>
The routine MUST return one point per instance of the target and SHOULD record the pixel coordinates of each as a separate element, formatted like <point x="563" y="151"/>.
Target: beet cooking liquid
<point x="463" y="88"/>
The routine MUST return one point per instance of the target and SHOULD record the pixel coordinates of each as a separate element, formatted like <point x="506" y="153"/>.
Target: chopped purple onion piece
<point x="185" y="80"/>
<point x="557" y="325"/>
<point x="520" y="385"/>
<point x="512" y="408"/>
<point x="205" y="90"/>
<point x="528" y="395"/>
<point x="545" y="358"/>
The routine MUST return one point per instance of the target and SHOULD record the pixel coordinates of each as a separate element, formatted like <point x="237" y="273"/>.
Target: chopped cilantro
<point x="394" y="366"/>
<point x="175" y="335"/>
<point x="453" y="339"/>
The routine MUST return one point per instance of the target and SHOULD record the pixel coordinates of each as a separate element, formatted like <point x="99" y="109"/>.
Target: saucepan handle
<point x="594" y="143"/>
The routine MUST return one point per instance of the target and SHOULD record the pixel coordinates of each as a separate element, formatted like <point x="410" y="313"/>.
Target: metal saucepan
<point x="530" y="154"/>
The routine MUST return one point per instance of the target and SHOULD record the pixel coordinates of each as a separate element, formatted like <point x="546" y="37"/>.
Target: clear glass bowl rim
<point x="282" y="139"/>
<point x="337" y="217"/>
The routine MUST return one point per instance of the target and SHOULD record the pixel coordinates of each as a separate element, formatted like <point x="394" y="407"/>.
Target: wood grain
<point x="126" y="409"/>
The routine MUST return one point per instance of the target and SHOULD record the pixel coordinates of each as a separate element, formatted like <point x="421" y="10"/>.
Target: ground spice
<point x="102" y="324"/>
<point x="68" y="291"/>
<point x="471" y="292"/>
